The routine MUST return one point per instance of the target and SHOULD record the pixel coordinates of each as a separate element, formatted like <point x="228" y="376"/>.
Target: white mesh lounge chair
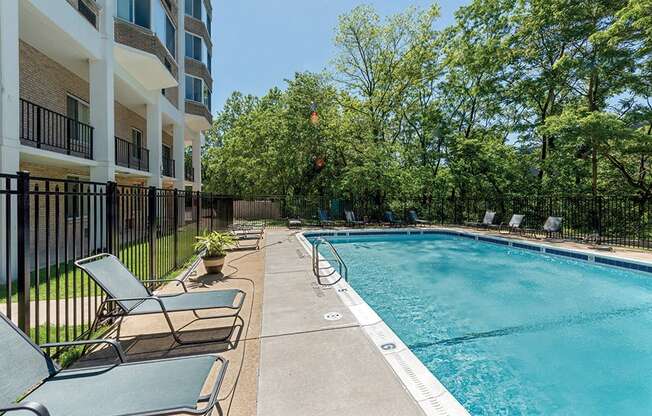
<point x="34" y="385"/>
<point x="127" y="296"/>
<point x="489" y="217"/>
<point x="514" y="225"/>
<point x="351" y="220"/>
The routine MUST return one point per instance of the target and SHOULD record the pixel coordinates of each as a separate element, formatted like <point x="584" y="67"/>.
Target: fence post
<point x="198" y="213"/>
<point x="176" y="227"/>
<point x="151" y="229"/>
<point x="23" y="283"/>
<point x="111" y="223"/>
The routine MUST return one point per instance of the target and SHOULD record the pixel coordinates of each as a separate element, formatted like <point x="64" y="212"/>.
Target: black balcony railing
<point x="49" y="130"/>
<point x="130" y="155"/>
<point x="167" y="167"/>
<point x="190" y="173"/>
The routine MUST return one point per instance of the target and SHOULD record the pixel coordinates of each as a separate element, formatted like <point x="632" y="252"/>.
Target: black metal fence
<point x="620" y="221"/>
<point x="46" y="224"/>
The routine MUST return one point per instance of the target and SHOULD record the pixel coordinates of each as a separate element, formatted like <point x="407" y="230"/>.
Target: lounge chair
<point x="324" y="219"/>
<point x="127" y="296"/>
<point x="351" y="220"/>
<point x="488" y="220"/>
<point x="550" y="227"/>
<point x="413" y="219"/>
<point x="391" y="219"/>
<point x="294" y="223"/>
<point x="34" y="385"/>
<point x="514" y="225"/>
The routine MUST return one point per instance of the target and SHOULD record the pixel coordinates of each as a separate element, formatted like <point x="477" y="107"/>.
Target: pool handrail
<point x="343" y="269"/>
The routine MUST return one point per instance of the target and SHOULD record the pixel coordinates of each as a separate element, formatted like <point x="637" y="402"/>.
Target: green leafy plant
<point x="214" y="244"/>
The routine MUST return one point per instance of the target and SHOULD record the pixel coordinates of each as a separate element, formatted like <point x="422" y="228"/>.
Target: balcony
<point x="48" y="130"/>
<point x="198" y="116"/>
<point x="189" y="173"/>
<point x="167" y="167"/>
<point x="131" y="156"/>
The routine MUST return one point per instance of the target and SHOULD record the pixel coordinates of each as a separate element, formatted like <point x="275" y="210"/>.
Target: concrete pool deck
<point x="310" y="365"/>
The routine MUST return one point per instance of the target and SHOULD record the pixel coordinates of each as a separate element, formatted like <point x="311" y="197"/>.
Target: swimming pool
<point x="508" y="330"/>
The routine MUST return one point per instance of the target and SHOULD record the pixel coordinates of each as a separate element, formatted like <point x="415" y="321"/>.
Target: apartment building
<point x="105" y="90"/>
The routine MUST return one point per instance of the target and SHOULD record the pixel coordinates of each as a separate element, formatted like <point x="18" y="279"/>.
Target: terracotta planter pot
<point x="213" y="265"/>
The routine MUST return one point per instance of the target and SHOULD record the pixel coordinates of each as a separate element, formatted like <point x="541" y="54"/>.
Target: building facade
<point x="105" y="90"/>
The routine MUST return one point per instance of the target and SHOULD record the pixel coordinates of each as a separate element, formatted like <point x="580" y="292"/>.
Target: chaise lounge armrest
<point x="114" y="345"/>
<point x="179" y="282"/>
<point x="33" y="407"/>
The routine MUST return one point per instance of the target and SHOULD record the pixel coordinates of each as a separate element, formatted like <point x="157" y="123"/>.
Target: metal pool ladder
<point x="316" y="268"/>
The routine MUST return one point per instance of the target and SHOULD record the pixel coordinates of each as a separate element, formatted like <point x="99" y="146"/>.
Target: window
<point x="134" y="11"/>
<point x="195" y="8"/>
<point x="194" y="88"/>
<point x="164" y="29"/>
<point x="197" y="90"/>
<point x="207" y="97"/>
<point x="209" y="60"/>
<point x="171" y="37"/>
<point x="208" y="24"/>
<point x="194" y="47"/>
<point x="136" y="143"/>
<point x="78" y="110"/>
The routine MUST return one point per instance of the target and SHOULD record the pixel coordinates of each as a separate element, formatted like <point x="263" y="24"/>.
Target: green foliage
<point x="214" y="244"/>
<point x="529" y="97"/>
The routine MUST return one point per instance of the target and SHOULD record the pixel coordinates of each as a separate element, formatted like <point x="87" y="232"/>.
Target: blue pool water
<point x="509" y="331"/>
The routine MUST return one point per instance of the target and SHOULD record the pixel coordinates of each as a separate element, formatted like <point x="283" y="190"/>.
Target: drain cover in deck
<point x="333" y="316"/>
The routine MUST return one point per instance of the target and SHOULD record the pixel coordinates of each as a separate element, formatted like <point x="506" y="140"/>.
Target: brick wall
<point x="200" y="70"/>
<point x="198" y="27"/>
<point x="125" y="120"/>
<point x="46" y="82"/>
<point x="198" y="110"/>
<point x="172" y="94"/>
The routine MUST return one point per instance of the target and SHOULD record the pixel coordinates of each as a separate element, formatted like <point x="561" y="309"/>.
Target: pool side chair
<point x="34" y="385"/>
<point x="295" y="223"/>
<point x="413" y="219"/>
<point x="513" y="226"/>
<point x="127" y="296"/>
<point x="247" y="237"/>
<point x="487" y="220"/>
<point x="351" y="219"/>
<point x="552" y="226"/>
<point x="391" y="219"/>
<point x="324" y="220"/>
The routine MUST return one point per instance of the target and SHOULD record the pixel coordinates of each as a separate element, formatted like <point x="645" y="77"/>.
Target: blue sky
<point x="259" y="43"/>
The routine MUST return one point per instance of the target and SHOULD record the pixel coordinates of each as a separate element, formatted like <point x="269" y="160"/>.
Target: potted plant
<point x="212" y="248"/>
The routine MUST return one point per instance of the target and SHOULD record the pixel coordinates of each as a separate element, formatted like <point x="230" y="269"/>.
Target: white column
<point x="9" y="87"/>
<point x="102" y="100"/>
<point x="179" y="156"/>
<point x="155" y="141"/>
<point x="196" y="162"/>
<point x="181" y="60"/>
<point x="9" y="120"/>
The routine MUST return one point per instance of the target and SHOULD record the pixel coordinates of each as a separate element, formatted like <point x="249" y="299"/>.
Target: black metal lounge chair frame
<point x="111" y="311"/>
<point x="38" y="409"/>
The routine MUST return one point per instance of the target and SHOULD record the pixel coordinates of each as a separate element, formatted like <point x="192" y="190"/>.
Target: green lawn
<point x="73" y="283"/>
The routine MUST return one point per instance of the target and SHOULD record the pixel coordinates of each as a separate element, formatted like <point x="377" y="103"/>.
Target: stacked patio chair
<point x="34" y="385"/>
<point x="247" y="236"/>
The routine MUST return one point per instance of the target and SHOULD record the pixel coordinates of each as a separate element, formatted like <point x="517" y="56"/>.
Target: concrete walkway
<point x="310" y="365"/>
